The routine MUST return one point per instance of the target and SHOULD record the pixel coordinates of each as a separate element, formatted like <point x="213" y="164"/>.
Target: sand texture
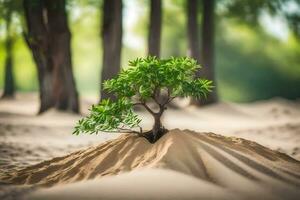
<point x="38" y="151"/>
<point x="232" y="164"/>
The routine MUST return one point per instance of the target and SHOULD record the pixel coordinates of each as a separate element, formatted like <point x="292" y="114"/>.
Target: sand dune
<point x="181" y="165"/>
<point x="139" y="185"/>
<point x="232" y="165"/>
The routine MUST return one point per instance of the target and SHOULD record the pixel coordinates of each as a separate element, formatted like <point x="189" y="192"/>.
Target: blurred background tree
<point x="112" y="32"/>
<point x="253" y="45"/>
<point x="48" y="37"/>
<point x="9" y="9"/>
<point x="154" y="35"/>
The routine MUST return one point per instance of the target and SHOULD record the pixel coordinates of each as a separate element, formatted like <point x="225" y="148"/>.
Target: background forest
<point x="257" y="49"/>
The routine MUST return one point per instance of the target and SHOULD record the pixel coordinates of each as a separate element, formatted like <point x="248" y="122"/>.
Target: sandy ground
<point x="27" y="139"/>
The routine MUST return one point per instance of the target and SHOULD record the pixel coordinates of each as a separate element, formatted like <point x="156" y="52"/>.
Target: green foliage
<point x="250" y="63"/>
<point x="250" y="10"/>
<point x="9" y="6"/>
<point x="108" y="116"/>
<point x="144" y="79"/>
<point x="249" y="69"/>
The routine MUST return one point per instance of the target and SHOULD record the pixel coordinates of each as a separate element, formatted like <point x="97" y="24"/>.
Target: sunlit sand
<point x="235" y="151"/>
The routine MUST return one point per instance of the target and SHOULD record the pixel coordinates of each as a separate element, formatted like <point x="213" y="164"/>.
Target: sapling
<point x="144" y="80"/>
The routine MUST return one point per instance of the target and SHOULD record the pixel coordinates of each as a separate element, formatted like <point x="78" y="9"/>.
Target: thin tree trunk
<point x="9" y="87"/>
<point x="49" y="40"/>
<point x="111" y="41"/>
<point x="157" y="128"/>
<point x="208" y="48"/>
<point x="154" y="37"/>
<point x="193" y="38"/>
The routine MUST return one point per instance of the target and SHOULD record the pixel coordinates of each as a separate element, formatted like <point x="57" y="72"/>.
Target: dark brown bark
<point x="154" y="37"/>
<point x="208" y="34"/>
<point x="9" y="87"/>
<point x="192" y="22"/>
<point x="48" y="38"/>
<point x="207" y="48"/>
<point x="111" y="41"/>
<point x="157" y="129"/>
<point x="37" y="41"/>
<point x="65" y="93"/>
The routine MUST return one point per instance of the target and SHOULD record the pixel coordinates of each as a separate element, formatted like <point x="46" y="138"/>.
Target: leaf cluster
<point x="108" y="116"/>
<point x="144" y="79"/>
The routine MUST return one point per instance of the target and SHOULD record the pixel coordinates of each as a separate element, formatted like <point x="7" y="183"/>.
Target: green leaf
<point x="144" y="78"/>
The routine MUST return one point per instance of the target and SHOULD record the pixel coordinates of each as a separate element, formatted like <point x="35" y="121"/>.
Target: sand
<point x="139" y="184"/>
<point x="221" y="164"/>
<point x="183" y="164"/>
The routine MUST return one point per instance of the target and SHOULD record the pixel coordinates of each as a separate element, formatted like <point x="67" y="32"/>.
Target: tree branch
<point x="170" y="99"/>
<point x="146" y="106"/>
<point x="120" y="130"/>
<point x="137" y="104"/>
<point x="125" y="129"/>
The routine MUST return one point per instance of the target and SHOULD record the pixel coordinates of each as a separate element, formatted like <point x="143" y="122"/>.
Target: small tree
<point x="144" y="80"/>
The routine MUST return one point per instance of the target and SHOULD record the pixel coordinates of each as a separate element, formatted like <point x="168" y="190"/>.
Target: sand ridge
<point x="187" y="165"/>
<point x="206" y="156"/>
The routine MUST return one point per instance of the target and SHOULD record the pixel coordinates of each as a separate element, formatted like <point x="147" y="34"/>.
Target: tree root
<point x="151" y="137"/>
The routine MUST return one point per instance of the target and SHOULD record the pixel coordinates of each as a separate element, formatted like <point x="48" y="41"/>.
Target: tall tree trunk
<point x="37" y="41"/>
<point x="9" y="87"/>
<point x="193" y="38"/>
<point x="155" y="28"/>
<point x="208" y="48"/>
<point x="64" y="89"/>
<point x="49" y="40"/>
<point x="111" y="41"/>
